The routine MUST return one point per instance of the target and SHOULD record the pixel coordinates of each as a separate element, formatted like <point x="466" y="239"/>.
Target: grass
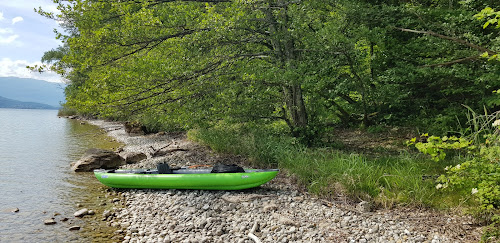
<point x="385" y="180"/>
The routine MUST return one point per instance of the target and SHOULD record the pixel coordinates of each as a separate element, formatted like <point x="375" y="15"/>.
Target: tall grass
<point x="385" y="181"/>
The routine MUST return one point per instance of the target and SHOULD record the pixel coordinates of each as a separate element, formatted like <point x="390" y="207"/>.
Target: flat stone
<point x="81" y="212"/>
<point x="49" y="221"/>
<point x="106" y="213"/>
<point x="75" y="227"/>
<point x="133" y="157"/>
<point x="205" y="207"/>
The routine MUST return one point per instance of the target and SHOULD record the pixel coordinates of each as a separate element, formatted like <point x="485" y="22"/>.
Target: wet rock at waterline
<point x="97" y="159"/>
<point x="81" y="212"/>
<point x="49" y="221"/>
<point x="10" y="210"/>
<point x="76" y="227"/>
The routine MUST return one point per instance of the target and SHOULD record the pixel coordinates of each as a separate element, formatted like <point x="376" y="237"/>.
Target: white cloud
<point x="7" y="36"/>
<point x="5" y="40"/>
<point x="17" y="68"/>
<point x="6" y="31"/>
<point x="1" y="16"/>
<point x="17" y="19"/>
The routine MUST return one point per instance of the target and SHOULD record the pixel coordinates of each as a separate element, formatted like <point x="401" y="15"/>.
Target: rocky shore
<point x="275" y="212"/>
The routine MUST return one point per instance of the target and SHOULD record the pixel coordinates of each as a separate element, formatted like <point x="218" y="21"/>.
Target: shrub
<point x="479" y="175"/>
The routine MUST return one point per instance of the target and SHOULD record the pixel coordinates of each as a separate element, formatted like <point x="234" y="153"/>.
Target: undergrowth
<point x="404" y="179"/>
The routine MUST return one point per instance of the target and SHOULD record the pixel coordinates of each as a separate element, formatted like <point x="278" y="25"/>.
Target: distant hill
<point x="9" y="103"/>
<point x="32" y="90"/>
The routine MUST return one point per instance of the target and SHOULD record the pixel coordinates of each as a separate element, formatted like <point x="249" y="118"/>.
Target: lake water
<point x="36" y="149"/>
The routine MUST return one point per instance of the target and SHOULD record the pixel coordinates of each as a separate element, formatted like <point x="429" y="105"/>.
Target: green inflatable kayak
<point x="185" y="178"/>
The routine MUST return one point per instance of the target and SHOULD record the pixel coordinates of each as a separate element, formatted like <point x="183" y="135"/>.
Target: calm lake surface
<point x="36" y="149"/>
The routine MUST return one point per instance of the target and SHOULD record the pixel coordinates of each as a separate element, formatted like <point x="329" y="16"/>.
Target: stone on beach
<point x="133" y="157"/>
<point x="75" y="227"/>
<point x="49" y="221"/>
<point x="98" y="159"/>
<point x="81" y="212"/>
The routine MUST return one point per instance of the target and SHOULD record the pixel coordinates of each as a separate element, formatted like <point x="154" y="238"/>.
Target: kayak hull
<point x="184" y="179"/>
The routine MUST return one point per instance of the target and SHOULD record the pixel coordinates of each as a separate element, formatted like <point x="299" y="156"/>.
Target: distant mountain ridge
<point x="32" y="90"/>
<point x="15" y="104"/>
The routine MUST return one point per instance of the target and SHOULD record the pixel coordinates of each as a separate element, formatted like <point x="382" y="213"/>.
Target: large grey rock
<point x="133" y="157"/>
<point x="98" y="159"/>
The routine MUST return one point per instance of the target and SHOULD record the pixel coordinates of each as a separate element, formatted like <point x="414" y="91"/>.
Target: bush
<point x="479" y="175"/>
<point x="65" y="111"/>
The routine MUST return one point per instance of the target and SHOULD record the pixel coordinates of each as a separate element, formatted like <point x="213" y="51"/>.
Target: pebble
<point x="81" y="212"/>
<point x="75" y="227"/>
<point x="49" y="221"/>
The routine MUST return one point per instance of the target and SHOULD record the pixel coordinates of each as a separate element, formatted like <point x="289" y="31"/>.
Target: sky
<point x="24" y="37"/>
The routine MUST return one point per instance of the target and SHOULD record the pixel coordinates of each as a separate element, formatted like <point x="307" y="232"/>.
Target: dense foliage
<point x="312" y="64"/>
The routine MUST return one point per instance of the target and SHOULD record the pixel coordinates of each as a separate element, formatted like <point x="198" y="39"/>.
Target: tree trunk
<point x="295" y="106"/>
<point x="283" y="44"/>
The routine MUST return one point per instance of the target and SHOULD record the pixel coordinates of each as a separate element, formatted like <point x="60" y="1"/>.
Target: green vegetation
<point x="64" y="111"/>
<point x="388" y="181"/>
<point x="479" y="174"/>
<point x="273" y="80"/>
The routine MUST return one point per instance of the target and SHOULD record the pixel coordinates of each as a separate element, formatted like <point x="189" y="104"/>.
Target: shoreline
<point x="277" y="211"/>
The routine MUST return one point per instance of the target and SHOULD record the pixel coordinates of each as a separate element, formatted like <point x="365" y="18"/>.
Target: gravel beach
<point x="274" y="212"/>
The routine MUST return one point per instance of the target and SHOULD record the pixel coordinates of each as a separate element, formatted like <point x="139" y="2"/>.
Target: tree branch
<point x="453" y="62"/>
<point x="454" y="39"/>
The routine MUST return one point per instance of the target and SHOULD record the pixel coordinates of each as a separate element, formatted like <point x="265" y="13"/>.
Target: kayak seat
<point x="163" y="169"/>
<point x="223" y="168"/>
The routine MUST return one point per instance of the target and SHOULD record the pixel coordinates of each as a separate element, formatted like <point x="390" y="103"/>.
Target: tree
<point x="310" y="64"/>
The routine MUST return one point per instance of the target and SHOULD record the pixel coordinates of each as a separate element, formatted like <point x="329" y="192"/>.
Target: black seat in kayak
<point x="163" y="169"/>
<point x="223" y="168"/>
